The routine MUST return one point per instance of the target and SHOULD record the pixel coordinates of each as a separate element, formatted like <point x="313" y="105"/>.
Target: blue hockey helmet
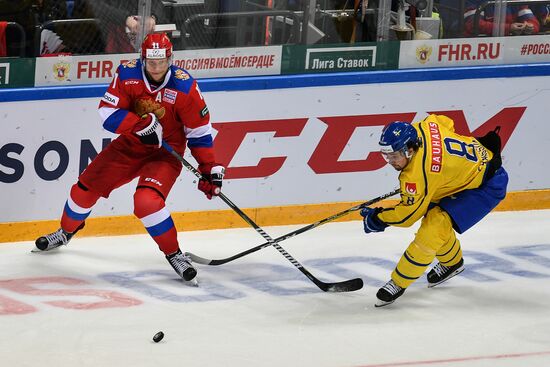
<point x="398" y="136"/>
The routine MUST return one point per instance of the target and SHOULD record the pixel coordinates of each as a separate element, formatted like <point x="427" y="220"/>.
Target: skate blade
<point x="37" y="250"/>
<point x="191" y="283"/>
<point x="383" y="303"/>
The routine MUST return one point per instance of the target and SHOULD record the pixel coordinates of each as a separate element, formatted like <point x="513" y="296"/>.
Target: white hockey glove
<point x="517" y="29"/>
<point x="152" y="133"/>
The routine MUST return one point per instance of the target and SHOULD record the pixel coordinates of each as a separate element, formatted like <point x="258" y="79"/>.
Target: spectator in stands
<point x="50" y="10"/>
<point x="120" y="21"/>
<point x="46" y="10"/>
<point x="20" y="13"/>
<point x="29" y="14"/>
<point x="542" y="12"/>
<point x="364" y="26"/>
<point x="520" y="20"/>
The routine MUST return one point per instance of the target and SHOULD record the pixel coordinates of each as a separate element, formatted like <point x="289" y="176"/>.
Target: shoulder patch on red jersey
<point x="180" y="74"/>
<point x="130" y="64"/>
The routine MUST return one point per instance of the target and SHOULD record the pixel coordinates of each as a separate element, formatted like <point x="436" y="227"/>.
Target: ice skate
<point x="388" y="294"/>
<point x="182" y="265"/>
<point x="52" y="240"/>
<point x="441" y="273"/>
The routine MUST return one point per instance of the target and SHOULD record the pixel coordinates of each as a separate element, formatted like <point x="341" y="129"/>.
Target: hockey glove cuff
<point x="371" y="223"/>
<point x="152" y="133"/>
<point x="211" y="181"/>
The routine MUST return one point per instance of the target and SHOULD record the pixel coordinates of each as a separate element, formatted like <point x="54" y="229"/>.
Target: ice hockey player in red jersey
<point x="148" y="101"/>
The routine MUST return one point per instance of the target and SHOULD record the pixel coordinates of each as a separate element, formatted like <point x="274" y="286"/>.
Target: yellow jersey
<point x="446" y="163"/>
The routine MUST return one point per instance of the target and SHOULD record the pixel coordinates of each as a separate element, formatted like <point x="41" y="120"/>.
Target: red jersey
<point x="177" y="103"/>
<point x="514" y="14"/>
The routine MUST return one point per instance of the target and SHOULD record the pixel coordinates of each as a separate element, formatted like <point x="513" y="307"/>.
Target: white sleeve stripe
<point x="470" y="13"/>
<point x="105" y="112"/>
<point x="76" y="208"/>
<point x="523" y="12"/>
<point x="155" y="218"/>
<point x="198" y="132"/>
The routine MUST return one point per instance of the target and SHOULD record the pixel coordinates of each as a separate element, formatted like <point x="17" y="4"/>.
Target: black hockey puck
<point x="158" y="337"/>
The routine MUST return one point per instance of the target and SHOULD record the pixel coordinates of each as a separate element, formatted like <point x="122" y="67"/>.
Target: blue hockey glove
<point x="371" y="223"/>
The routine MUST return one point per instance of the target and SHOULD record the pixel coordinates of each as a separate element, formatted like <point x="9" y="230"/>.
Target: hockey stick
<point x="345" y="286"/>
<point x="202" y="260"/>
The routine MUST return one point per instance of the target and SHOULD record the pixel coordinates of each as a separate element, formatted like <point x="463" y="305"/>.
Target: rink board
<point x="288" y="150"/>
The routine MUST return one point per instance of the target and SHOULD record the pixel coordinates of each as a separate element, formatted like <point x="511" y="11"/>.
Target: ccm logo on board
<point x="51" y="159"/>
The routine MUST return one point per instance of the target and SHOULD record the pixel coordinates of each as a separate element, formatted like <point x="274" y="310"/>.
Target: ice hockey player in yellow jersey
<point x="449" y="180"/>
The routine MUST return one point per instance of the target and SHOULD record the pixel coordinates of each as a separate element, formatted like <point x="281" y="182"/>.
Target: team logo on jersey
<point x="410" y="188"/>
<point x="153" y="180"/>
<point x="61" y="71"/>
<point x="169" y="96"/>
<point x="109" y="98"/>
<point x="130" y="64"/>
<point x="423" y="54"/>
<point x="131" y="82"/>
<point x="180" y="74"/>
<point x="146" y="105"/>
<point x="204" y="111"/>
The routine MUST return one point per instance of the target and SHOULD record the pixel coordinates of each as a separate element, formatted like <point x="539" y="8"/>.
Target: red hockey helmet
<point x="156" y="46"/>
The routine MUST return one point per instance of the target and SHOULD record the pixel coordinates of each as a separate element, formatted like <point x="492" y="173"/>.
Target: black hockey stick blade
<point x="345" y="286"/>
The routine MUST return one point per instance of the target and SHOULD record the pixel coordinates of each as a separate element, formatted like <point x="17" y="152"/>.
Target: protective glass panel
<point x="80" y="27"/>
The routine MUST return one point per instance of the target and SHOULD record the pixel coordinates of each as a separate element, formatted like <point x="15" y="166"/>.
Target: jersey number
<point x="461" y="149"/>
<point x="114" y="80"/>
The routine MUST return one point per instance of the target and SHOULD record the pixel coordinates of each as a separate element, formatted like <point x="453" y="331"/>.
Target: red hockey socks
<point x="78" y="207"/>
<point x="149" y="207"/>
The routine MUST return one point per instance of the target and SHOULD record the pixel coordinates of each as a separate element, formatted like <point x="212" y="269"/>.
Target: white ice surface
<point x="261" y="311"/>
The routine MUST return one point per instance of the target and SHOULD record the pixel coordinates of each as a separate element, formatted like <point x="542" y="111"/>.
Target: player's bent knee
<point x="146" y="201"/>
<point x="422" y="250"/>
<point x="83" y="196"/>
<point x="436" y="229"/>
